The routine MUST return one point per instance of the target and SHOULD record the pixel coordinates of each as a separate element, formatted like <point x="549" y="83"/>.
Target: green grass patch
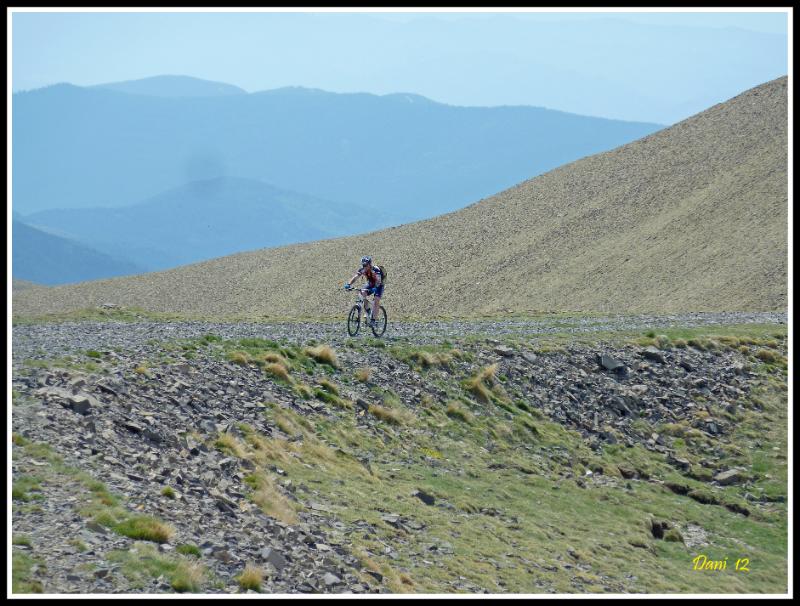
<point x="145" y="528"/>
<point x="144" y="562"/>
<point x="22" y="576"/>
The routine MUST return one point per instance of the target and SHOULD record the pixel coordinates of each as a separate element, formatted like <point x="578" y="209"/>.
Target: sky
<point x="658" y="67"/>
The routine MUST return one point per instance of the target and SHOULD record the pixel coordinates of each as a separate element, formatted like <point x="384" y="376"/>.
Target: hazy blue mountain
<point x="174" y="86"/>
<point x="208" y="219"/>
<point x="45" y="258"/>
<point x="79" y="147"/>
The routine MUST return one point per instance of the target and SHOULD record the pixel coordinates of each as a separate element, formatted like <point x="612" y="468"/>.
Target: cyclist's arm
<point x="353" y="279"/>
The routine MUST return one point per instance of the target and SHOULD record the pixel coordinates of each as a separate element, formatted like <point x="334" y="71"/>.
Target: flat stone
<point x="271" y="556"/>
<point x="654" y="354"/>
<point x="610" y="363"/>
<point x="732" y="476"/>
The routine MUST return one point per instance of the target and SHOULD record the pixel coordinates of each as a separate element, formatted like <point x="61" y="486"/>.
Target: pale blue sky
<point x="640" y="66"/>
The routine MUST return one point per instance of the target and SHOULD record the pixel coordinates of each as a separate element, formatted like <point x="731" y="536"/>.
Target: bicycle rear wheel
<point x="380" y="323"/>
<point x="354" y="321"/>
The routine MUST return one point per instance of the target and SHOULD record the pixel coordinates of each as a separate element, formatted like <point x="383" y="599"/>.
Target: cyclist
<point x="374" y="285"/>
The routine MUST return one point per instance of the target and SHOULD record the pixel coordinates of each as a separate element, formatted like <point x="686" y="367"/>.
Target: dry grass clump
<point x="456" y="411"/>
<point x="141" y="370"/>
<point x="663" y="342"/>
<point x="188" y="577"/>
<point x="239" y="357"/>
<point x="428" y="359"/>
<point x="229" y="443"/>
<point x="278" y="370"/>
<point x="681" y="343"/>
<point x="266" y="450"/>
<point x="303" y="390"/>
<point x="390" y="415"/>
<point x="769" y="356"/>
<point x="363" y="374"/>
<point x="271" y="501"/>
<point x="251" y="577"/>
<point x="329" y="387"/>
<point x="323" y="354"/>
<point x="275" y="358"/>
<point x="145" y="528"/>
<point x="477" y="385"/>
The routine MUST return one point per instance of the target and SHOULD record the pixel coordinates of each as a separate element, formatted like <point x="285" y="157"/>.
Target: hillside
<point x="207" y="219"/>
<point x="163" y="457"/>
<point x="690" y="218"/>
<point x="17" y="285"/>
<point x="393" y="152"/>
<point x="45" y="258"/>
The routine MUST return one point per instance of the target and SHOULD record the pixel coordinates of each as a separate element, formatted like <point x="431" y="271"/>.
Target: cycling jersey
<point x="372" y="275"/>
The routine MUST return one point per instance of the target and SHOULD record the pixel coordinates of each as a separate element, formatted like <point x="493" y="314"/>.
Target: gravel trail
<point x="52" y="340"/>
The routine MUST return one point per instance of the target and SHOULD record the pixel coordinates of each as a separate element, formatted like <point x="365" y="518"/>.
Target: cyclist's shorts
<point x="374" y="290"/>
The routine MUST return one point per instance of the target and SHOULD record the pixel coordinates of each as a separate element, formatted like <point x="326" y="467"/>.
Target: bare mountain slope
<point x="693" y="217"/>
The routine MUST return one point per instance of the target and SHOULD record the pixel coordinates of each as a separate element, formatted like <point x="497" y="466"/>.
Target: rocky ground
<point x="113" y="401"/>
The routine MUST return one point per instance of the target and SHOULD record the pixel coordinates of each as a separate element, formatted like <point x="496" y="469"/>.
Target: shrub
<point x="323" y="354"/>
<point x="663" y="342"/>
<point x="251" y="577"/>
<point x="363" y="374"/>
<point x="94" y="354"/>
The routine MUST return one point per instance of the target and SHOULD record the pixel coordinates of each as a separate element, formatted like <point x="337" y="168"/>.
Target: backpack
<point x="383" y="274"/>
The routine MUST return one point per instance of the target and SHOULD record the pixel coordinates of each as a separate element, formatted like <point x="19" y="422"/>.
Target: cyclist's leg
<point x="365" y="296"/>
<point x="376" y="301"/>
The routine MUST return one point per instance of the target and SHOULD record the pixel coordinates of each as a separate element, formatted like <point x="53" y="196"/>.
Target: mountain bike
<point x="354" y="317"/>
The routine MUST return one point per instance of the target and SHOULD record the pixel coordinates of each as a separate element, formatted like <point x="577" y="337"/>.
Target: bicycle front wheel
<point x="379" y="327"/>
<point x="354" y="321"/>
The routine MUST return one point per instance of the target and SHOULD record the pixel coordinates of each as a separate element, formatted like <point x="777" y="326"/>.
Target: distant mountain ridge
<point x="79" y="147"/>
<point x="47" y="259"/>
<point x="692" y="218"/>
<point x="173" y="86"/>
<point x="207" y="219"/>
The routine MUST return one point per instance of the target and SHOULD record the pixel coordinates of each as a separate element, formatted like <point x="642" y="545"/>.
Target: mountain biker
<point x="374" y="285"/>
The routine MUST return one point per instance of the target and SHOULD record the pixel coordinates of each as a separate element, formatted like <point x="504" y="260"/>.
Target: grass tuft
<point x="145" y="528"/>
<point x="278" y="370"/>
<point x="251" y="577"/>
<point x="168" y="492"/>
<point x="323" y="354"/>
<point x="456" y="411"/>
<point x="390" y="415"/>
